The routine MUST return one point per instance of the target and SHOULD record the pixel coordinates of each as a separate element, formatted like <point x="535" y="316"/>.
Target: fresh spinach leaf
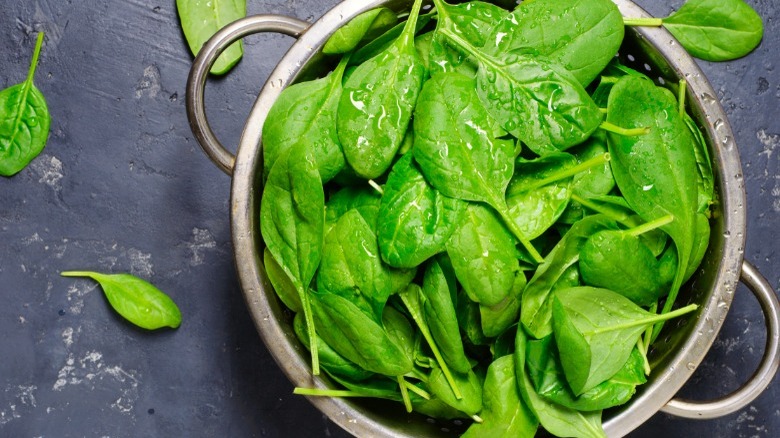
<point x="306" y="113"/>
<point x="377" y="102"/>
<point x="283" y="286"/>
<point x="469" y="384"/>
<point x="498" y="318"/>
<point x="364" y="27"/>
<point x="137" y="300"/>
<point x="503" y="413"/>
<point x="201" y="19"/>
<point x="24" y="121"/>
<point x="596" y="330"/>
<point x="332" y="362"/>
<point x="409" y="236"/>
<point x="360" y="197"/>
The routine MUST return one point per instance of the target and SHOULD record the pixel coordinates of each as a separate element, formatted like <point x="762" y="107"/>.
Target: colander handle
<point x="766" y="370"/>
<point x="196" y="82"/>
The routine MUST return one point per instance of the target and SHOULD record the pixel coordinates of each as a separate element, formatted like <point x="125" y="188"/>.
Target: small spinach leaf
<point x="469" y="384"/>
<point x="366" y="26"/>
<point x="201" y="19"/>
<point x="330" y="360"/>
<point x="137" y="300"/>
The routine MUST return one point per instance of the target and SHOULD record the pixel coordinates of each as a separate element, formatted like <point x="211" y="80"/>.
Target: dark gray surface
<point x="123" y="187"/>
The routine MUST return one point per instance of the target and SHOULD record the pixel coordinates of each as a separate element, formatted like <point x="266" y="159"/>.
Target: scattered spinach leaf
<point x="201" y="19"/>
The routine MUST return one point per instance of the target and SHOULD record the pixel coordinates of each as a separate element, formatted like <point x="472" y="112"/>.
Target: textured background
<point x="123" y="186"/>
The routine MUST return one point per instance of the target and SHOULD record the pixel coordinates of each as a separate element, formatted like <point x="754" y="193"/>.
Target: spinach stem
<point x="36" y="54"/>
<point x="650" y="226"/>
<point x="518" y="233"/>
<point x="598" y="209"/>
<point x="609" y="80"/>
<point x="626" y="132"/>
<point x="315" y="357"/>
<point x="417" y="390"/>
<point x="650" y="22"/>
<point x="411" y="24"/>
<point x="477" y="418"/>
<point x="681" y="94"/>
<point x="640" y="345"/>
<point x="404" y="393"/>
<point x="639" y="322"/>
<point x="376" y="186"/>
<point x="418" y="319"/>
<point x="567" y="173"/>
<point x="327" y="392"/>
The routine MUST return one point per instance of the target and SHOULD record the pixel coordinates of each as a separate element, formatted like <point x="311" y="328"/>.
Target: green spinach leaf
<point x="332" y="362"/>
<point x="201" y="19"/>
<point x="364" y="27"/>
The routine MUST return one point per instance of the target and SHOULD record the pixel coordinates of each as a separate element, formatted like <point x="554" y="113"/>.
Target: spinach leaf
<point x="503" y="413"/>
<point x="544" y="369"/>
<point x="400" y="331"/>
<point x="351" y="266"/>
<point x="415" y="220"/>
<point x="377" y="102"/>
<point x="201" y="19"/>
<point x="656" y="172"/>
<point x="469" y="320"/>
<point x="364" y="27"/>
<point x="332" y="362"/>
<point x="596" y="330"/>
<point x="283" y="286"/>
<point x="483" y="256"/>
<point x="362" y="198"/>
<point x="469" y="384"/>
<point x="716" y="30"/>
<point x="24" y="121"/>
<point x="535" y="100"/>
<point x="582" y="36"/>
<point x="291" y="223"/>
<point x="439" y="294"/>
<point x="382" y="42"/>
<point x="498" y="318"/>
<point x="306" y="113"/>
<point x="358" y="336"/>
<point x="455" y="149"/>
<point x="137" y="300"/>
<point x="706" y="181"/>
<point x="536" y="310"/>
<point x="596" y="180"/>
<point x="556" y="419"/>
<point x="539" y="192"/>
<point x="619" y="261"/>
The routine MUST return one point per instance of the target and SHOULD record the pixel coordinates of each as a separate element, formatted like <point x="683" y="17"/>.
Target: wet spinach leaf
<point x="364" y="27"/>
<point x="137" y="300"/>
<point x="24" y="121"/>
<point x="201" y="19"/>
<point x="498" y="318"/>
<point x="361" y="197"/>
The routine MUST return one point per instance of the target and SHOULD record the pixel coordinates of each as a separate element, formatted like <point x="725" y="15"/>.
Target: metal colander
<point x="678" y="351"/>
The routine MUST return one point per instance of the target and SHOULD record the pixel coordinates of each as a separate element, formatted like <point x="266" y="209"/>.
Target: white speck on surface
<point x="201" y="240"/>
<point x="27" y="241"/>
<point x="67" y="336"/>
<point x="49" y="171"/>
<point x="22" y="319"/>
<point x="76" y="293"/>
<point x="91" y="371"/>
<point x="149" y="84"/>
<point x="140" y="263"/>
<point x="776" y="201"/>
<point x="770" y="142"/>
<point x="22" y="400"/>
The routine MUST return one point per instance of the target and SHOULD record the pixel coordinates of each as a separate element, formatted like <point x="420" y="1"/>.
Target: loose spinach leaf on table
<point x="292" y="223"/>
<point x="656" y="172"/>
<point x="137" y="300"/>
<point x="24" y="121"/>
<point x="409" y="236"/>
<point x="504" y="413"/>
<point x="582" y="36"/>
<point x="596" y="330"/>
<point x="306" y="113"/>
<point x="377" y="102"/>
<point x="201" y="19"/>
<point x="364" y="27"/>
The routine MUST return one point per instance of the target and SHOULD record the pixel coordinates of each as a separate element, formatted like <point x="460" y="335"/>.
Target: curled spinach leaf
<point x="201" y="19"/>
<point x="364" y="27"/>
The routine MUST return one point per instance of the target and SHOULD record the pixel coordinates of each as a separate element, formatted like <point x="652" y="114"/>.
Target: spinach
<point x="483" y="256"/>
<point x="455" y="150"/>
<point x="409" y="236"/>
<point x="656" y="172"/>
<point x="556" y="419"/>
<point x="201" y="19"/>
<point x="503" y="413"/>
<point x="377" y="102"/>
<point x="533" y="98"/>
<point x="596" y="330"/>
<point x="283" y="286"/>
<point x="364" y="27"/>
<point x="439" y="295"/>
<point x="536" y="313"/>
<point x="582" y="36"/>
<point x="544" y="369"/>
<point x="291" y="223"/>
<point x="137" y="300"/>
<point x="24" y="121"/>
<point x="306" y="113"/>
<point x="362" y="198"/>
<point x="498" y="318"/>
<point x="332" y="362"/>
<point x="470" y="385"/>
<point x="713" y="30"/>
<point x="619" y="261"/>
<point x="384" y="41"/>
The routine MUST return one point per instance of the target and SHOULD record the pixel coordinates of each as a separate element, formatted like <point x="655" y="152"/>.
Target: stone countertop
<point x="122" y="186"/>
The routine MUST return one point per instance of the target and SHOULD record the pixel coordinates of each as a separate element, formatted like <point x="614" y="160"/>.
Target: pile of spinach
<point x="480" y="213"/>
